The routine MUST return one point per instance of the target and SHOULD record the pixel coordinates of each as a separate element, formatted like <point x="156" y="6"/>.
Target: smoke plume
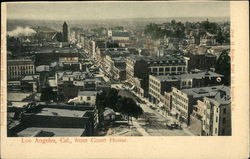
<point x="20" y="31"/>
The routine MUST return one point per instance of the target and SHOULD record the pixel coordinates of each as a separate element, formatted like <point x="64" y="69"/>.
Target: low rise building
<point x="18" y="68"/>
<point x="67" y="117"/>
<point x="87" y="97"/>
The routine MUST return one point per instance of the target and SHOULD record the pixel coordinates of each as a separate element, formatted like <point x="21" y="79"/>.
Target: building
<point x="208" y="39"/>
<point x="87" y="97"/>
<point x="183" y="100"/>
<point x="115" y="66"/>
<point x="156" y="65"/>
<point x="119" y="35"/>
<point x="54" y="118"/>
<point x="120" y="71"/>
<point x="18" y="68"/>
<point x="31" y="83"/>
<point x="44" y="34"/>
<point x="217" y="115"/>
<point x="62" y="55"/>
<point x="202" y="61"/>
<point x="141" y="67"/>
<point x="159" y="84"/>
<point x="65" y="32"/>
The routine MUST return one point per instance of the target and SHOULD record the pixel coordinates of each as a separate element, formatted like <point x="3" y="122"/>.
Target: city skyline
<point x="115" y="10"/>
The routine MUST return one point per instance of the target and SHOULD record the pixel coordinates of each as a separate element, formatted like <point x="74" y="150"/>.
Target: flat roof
<point x="157" y="58"/>
<point x="17" y="96"/>
<point x="18" y="104"/>
<point x="198" y="75"/>
<point x="20" y="62"/>
<point x="87" y="93"/>
<point x="223" y="97"/>
<point x="61" y="112"/>
<point x="49" y="132"/>
<point x="206" y="91"/>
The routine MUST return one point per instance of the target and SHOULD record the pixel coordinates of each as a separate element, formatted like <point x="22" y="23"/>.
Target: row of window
<point x="161" y="69"/>
<point x="154" y="87"/>
<point x="20" y="72"/>
<point x="152" y="92"/>
<point x="20" y="67"/>
<point x="180" y="97"/>
<point x="181" y="104"/>
<point x="168" y="61"/>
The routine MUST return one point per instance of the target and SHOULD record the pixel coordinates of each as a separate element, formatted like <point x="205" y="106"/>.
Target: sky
<point x="115" y="10"/>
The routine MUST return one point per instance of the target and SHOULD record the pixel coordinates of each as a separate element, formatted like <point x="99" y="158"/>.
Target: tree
<point x="111" y="99"/>
<point x="129" y="107"/>
<point x="223" y="66"/>
<point x="220" y="38"/>
<point x="47" y="94"/>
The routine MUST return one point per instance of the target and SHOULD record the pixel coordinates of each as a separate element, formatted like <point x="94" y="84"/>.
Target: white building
<point x="86" y="97"/>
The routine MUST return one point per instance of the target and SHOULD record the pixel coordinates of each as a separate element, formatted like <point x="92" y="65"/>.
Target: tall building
<point x="184" y="100"/>
<point x="65" y="32"/>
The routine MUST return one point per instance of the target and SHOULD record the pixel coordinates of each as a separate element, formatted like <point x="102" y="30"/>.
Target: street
<point x="151" y="121"/>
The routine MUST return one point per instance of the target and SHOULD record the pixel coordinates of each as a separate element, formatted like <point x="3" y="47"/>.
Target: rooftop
<point x="120" y="34"/>
<point x="65" y="50"/>
<point x="223" y="96"/>
<point x="49" y="132"/>
<point x="20" y="61"/>
<point x="198" y="75"/>
<point x="206" y="91"/>
<point x="157" y="58"/>
<point x="61" y="112"/>
<point x="17" y="96"/>
<point x="31" y="78"/>
<point x="42" y="68"/>
<point x="87" y="93"/>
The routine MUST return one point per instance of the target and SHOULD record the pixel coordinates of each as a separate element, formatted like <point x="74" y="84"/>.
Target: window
<point x="224" y="120"/>
<point x="224" y="110"/>
<point x="88" y="98"/>
<point x="179" y="68"/>
<point x="160" y="69"/>
<point x="154" y="69"/>
<point x="216" y="119"/>
<point x="215" y="130"/>
<point x="81" y="98"/>
<point x="173" y="69"/>
<point x="167" y="69"/>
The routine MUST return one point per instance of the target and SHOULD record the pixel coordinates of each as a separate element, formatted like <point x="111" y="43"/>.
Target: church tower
<point x="65" y="32"/>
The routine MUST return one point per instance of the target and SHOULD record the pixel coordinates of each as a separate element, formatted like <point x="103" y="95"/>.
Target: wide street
<point x="151" y="120"/>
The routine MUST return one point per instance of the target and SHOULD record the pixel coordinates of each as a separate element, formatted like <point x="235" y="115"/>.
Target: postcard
<point x="125" y="79"/>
